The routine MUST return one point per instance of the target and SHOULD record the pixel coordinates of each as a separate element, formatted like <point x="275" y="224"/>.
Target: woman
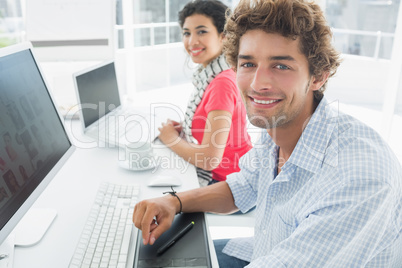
<point x="213" y="135"/>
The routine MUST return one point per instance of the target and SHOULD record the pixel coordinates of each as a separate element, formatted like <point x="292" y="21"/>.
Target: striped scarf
<point x="201" y="79"/>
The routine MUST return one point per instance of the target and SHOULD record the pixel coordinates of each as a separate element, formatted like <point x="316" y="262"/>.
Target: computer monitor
<point x="33" y="142"/>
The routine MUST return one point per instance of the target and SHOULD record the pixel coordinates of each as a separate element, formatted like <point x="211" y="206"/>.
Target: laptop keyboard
<point x="105" y="239"/>
<point x="111" y="131"/>
<point x="111" y="128"/>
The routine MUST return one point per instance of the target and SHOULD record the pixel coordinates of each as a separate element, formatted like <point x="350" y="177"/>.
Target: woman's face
<point x="201" y="39"/>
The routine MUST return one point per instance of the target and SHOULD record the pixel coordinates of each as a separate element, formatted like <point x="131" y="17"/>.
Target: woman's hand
<point x="170" y="132"/>
<point x="209" y="153"/>
<point x="178" y="126"/>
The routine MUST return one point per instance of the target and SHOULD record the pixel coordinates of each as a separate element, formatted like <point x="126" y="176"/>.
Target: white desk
<point x="72" y="193"/>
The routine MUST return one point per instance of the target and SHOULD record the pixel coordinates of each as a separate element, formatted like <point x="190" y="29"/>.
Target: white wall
<point x="71" y="29"/>
<point x="359" y="81"/>
<point x="153" y="68"/>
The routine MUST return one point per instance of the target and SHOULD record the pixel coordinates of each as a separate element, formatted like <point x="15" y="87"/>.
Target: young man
<point x="327" y="188"/>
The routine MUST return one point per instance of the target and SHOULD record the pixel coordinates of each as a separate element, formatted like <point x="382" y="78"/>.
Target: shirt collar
<point x="311" y="151"/>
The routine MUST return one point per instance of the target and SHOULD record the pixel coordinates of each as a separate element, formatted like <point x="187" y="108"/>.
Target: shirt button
<point x="273" y="199"/>
<point x="264" y="232"/>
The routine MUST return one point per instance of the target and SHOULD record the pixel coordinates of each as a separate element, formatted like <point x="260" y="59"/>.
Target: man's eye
<point x="282" y="67"/>
<point x="202" y="32"/>
<point x="186" y="34"/>
<point x="247" y="65"/>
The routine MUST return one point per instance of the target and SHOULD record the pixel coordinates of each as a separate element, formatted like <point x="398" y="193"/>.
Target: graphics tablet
<point x="190" y="251"/>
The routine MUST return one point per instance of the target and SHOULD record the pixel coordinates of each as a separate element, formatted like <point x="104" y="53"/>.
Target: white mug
<point x="139" y="155"/>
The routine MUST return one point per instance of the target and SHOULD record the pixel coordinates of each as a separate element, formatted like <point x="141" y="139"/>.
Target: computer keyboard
<point x="105" y="239"/>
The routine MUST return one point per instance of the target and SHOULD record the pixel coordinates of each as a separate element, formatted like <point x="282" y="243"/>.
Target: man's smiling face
<point x="273" y="77"/>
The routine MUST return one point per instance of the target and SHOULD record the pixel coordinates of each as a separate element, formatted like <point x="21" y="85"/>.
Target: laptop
<point x="102" y="115"/>
<point x="190" y="251"/>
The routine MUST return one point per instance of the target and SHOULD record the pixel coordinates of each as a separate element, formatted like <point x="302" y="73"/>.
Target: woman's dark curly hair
<point x="295" y="19"/>
<point x="214" y="9"/>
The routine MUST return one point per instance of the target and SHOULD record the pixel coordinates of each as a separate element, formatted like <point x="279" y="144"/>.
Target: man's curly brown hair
<point x="295" y="19"/>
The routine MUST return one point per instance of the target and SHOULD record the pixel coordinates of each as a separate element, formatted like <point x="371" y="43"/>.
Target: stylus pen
<point x="172" y="241"/>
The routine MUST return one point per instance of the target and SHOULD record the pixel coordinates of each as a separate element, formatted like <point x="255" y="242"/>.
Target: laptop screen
<point x="98" y="92"/>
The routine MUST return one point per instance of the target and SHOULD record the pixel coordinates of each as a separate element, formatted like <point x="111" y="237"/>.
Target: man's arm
<point x="352" y="226"/>
<point x="155" y="216"/>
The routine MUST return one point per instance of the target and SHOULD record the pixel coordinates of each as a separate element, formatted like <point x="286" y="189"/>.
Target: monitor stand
<point x="28" y="232"/>
<point x="33" y="226"/>
<point x="7" y="252"/>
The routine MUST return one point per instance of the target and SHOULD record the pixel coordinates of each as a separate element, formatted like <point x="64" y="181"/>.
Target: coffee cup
<point x="139" y="155"/>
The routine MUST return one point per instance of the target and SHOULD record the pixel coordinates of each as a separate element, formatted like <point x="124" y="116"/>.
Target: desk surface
<point x="72" y="193"/>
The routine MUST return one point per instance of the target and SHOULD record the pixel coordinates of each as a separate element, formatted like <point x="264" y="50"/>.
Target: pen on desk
<point x="172" y="241"/>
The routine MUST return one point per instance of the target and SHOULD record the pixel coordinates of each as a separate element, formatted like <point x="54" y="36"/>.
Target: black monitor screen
<point x="32" y="136"/>
<point x="98" y="92"/>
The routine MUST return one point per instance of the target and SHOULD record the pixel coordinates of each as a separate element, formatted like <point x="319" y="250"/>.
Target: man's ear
<point x="318" y="81"/>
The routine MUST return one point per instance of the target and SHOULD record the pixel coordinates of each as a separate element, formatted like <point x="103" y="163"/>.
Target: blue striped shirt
<point x="336" y="202"/>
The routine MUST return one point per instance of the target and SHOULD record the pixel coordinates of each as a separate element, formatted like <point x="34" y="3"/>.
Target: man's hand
<point x="154" y="217"/>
